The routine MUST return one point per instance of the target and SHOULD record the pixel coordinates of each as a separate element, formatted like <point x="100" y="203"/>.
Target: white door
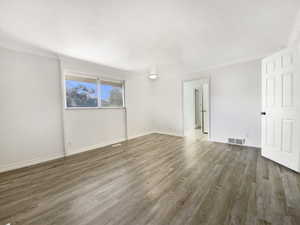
<point x="205" y="104"/>
<point x="280" y="108"/>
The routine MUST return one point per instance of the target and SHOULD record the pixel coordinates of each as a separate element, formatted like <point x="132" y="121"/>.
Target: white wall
<point x="167" y="115"/>
<point x="91" y="128"/>
<point x="139" y="98"/>
<point x="30" y="115"/>
<point x="235" y="102"/>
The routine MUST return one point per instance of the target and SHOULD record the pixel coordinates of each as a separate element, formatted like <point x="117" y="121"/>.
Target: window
<point x="111" y="94"/>
<point x="81" y="91"/>
<point x="90" y="92"/>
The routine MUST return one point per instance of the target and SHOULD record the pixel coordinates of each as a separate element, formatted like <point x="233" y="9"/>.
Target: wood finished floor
<point x="157" y="180"/>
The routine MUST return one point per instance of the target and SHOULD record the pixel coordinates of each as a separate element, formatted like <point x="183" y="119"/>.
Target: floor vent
<point x="236" y="141"/>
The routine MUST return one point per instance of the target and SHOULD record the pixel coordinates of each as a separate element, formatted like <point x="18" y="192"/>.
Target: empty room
<point x="139" y="112"/>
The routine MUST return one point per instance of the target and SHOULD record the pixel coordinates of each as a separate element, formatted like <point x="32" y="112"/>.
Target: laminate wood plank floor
<point x="155" y="179"/>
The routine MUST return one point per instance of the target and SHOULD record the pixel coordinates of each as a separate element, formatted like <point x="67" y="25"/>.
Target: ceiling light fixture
<point x="153" y="74"/>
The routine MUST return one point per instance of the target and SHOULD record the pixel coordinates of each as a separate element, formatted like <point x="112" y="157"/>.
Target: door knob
<point x="263" y="113"/>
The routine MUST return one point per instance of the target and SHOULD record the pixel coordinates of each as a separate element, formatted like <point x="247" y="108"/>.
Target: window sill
<point x="85" y="108"/>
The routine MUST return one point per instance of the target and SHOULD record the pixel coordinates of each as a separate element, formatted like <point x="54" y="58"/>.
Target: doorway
<point x="196" y="108"/>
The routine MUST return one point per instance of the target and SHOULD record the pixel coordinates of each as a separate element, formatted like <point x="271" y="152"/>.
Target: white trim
<point x="98" y="80"/>
<point x="208" y="78"/>
<point x="18" y="45"/>
<point x="123" y="97"/>
<point x="100" y="107"/>
<point x="91" y="62"/>
<point x="18" y="165"/>
<point x="38" y="160"/>
<point x="92" y="75"/>
<point x="105" y="144"/>
<point x="140" y="135"/>
<point x="122" y="82"/>
<point x="230" y="63"/>
<point x="63" y="104"/>
<point x="93" y="147"/>
<point x="25" y="48"/>
<point x="168" y="133"/>
<point x="80" y="74"/>
<point x="111" y="80"/>
<point x="125" y="110"/>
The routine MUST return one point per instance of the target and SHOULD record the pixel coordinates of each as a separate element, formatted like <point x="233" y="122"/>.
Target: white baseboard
<point x="93" y="147"/>
<point x="18" y="165"/>
<point x="155" y="132"/>
<point x="101" y="145"/>
<point x="168" y="133"/>
<point x="140" y="135"/>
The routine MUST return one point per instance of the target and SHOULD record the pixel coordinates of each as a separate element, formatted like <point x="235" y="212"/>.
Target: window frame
<point x="123" y="92"/>
<point x="98" y="90"/>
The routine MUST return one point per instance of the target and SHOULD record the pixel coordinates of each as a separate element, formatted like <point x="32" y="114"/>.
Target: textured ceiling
<point x="134" y="35"/>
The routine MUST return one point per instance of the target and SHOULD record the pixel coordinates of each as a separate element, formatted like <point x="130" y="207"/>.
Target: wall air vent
<point x="231" y="140"/>
<point x="236" y="141"/>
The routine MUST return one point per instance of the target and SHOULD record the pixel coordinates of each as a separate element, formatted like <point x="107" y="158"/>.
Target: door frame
<point x="209" y="102"/>
<point x="196" y="93"/>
